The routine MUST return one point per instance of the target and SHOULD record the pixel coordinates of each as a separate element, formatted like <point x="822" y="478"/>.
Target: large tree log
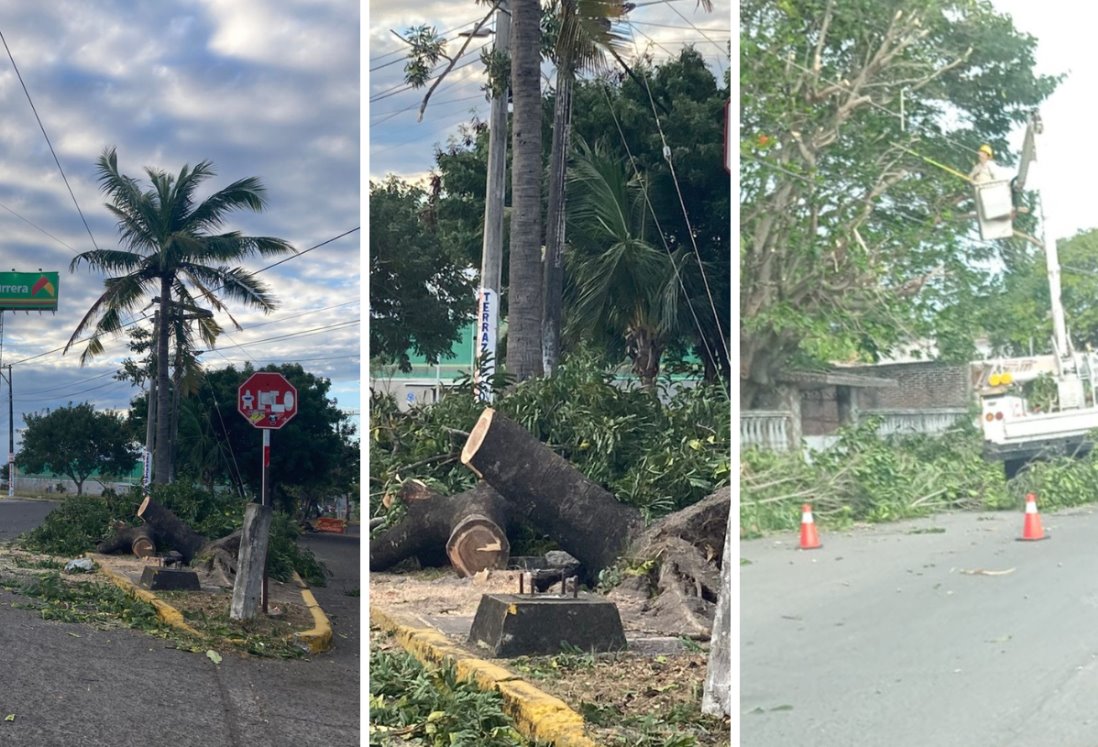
<point x="472" y="526"/>
<point x="586" y="520"/>
<point x="680" y="593"/>
<point x="171" y="530"/>
<point x="167" y="531"/>
<point x="137" y="540"/>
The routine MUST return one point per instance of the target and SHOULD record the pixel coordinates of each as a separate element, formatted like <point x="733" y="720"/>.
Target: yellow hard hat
<point x="985" y="148"/>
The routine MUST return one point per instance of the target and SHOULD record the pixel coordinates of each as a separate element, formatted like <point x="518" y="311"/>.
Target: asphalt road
<point x="68" y="685"/>
<point x="945" y="631"/>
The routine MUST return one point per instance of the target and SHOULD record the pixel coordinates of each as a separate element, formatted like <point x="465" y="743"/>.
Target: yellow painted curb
<point x="537" y="715"/>
<point x="164" y="611"/>
<point x="319" y="638"/>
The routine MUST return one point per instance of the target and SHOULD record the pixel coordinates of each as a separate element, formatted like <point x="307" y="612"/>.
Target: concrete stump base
<point x="508" y="625"/>
<point x="169" y="579"/>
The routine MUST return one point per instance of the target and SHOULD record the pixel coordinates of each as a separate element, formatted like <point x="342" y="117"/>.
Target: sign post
<point x="268" y="401"/>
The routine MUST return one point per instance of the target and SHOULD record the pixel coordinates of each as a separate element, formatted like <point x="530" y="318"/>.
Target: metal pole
<point x="265" y="498"/>
<point x="150" y="423"/>
<point x="11" y="438"/>
<point x="491" y="269"/>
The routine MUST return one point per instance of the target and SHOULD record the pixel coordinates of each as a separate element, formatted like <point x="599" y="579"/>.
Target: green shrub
<point x="78" y="524"/>
<point x="868" y="478"/>
<point x="658" y="454"/>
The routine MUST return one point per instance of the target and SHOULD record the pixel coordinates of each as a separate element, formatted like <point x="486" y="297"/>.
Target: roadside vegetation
<point x="867" y="478"/>
<point x="657" y="453"/>
<point x="43" y="586"/>
<point x="411" y="705"/>
<point x="81" y="521"/>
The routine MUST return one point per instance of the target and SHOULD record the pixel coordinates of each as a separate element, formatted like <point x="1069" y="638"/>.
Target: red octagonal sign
<point x="267" y="400"/>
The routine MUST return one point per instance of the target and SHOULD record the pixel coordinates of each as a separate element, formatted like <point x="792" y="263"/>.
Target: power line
<point x="441" y="33"/>
<point x="146" y="316"/>
<point x="50" y="144"/>
<point x="37" y="227"/>
<point x="667" y="248"/>
<point x="402" y="87"/>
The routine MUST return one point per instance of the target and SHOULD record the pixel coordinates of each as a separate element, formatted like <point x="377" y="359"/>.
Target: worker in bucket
<point x="985" y="169"/>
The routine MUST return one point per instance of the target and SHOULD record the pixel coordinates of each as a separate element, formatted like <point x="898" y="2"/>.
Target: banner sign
<point x="484" y="360"/>
<point x="28" y="291"/>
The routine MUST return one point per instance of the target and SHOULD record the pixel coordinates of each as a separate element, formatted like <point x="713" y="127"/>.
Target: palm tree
<point x="623" y="288"/>
<point x="524" y="276"/>
<point x="170" y="253"/>
<point x="584" y="31"/>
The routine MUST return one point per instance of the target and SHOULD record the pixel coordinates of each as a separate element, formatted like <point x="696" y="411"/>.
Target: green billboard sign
<point x="28" y="291"/>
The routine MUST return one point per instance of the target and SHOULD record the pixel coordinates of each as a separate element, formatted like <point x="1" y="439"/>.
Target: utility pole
<point x="11" y="438"/>
<point x="150" y="418"/>
<point x="491" y="268"/>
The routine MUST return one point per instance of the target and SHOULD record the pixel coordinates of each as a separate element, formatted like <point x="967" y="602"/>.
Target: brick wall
<point x="919" y="385"/>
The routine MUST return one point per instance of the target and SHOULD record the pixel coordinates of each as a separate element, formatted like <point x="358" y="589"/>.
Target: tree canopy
<point x="420" y="292"/>
<point x="76" y="441"/>
<point x="851" y="240"/>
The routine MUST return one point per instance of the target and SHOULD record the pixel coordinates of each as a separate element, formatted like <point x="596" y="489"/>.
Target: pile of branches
<point x="865" y="477"/>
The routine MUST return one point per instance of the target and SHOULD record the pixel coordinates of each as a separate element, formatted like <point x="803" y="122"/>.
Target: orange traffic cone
<point x="1032" y="529"/>
<point x="810" y="540"/>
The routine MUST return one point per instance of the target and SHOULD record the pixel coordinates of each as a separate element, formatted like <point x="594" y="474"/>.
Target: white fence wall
<point x="766" y="429"/>
<point x="771" y="429"/>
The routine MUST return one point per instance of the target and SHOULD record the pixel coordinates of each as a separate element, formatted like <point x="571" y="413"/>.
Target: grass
<point x="413" y="705"/>
<point x="102" y="605"/>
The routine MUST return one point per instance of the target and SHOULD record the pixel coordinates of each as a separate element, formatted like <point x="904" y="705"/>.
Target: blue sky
<point x="260" y="88"/>
<point x="401" y="145"/>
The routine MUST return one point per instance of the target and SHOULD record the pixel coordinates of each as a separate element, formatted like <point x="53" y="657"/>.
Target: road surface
<point x="68" y="685"/>
<point x="945" y="631"/>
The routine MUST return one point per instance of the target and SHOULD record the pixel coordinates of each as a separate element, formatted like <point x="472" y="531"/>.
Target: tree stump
<point x="717" y="695"/>
<point x="586" y="520"/>
<point x="252" y="559"/>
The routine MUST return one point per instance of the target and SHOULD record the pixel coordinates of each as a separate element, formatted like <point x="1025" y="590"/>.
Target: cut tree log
<point x="171" y="529"/>
<point x="680" y="593"/>
<point x="472" y="526"/>
<point x="137" y="540"/>
<point x="585" y="519"/>
<point x="166" y="530"/>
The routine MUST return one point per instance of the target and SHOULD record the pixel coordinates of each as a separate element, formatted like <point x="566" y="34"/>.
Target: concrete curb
<point x="537" y="715"/>
<point x="319" y="637"/>
<point x="315" y="640"/>
<point x="164" y="611"/>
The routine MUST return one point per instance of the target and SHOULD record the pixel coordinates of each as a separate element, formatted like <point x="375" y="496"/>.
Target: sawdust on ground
<point x="626" y="698"/>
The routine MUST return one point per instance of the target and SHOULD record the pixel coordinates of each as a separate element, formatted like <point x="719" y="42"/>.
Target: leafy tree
<point x="1018" y="315"/>
<point x="850" y="238"/>
<point x="78" y="442"/>
<point x="171" y="256"/>
<point x="620" y="113"/>
<point x="312" y="456"/>
<point x="420" y="292"/>
<point x="694" y="127"/>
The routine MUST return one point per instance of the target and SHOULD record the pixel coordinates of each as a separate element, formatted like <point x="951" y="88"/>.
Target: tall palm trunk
<point x="162" y="465"/>
<point x="524" y="279"/>
<point x="553" y="286"/>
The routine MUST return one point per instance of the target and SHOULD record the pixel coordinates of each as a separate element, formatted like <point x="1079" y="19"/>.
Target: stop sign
<point x="267" y="400"/>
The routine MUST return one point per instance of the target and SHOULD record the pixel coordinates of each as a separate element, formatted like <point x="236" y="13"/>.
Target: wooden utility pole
<point x="491" y="268"/>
